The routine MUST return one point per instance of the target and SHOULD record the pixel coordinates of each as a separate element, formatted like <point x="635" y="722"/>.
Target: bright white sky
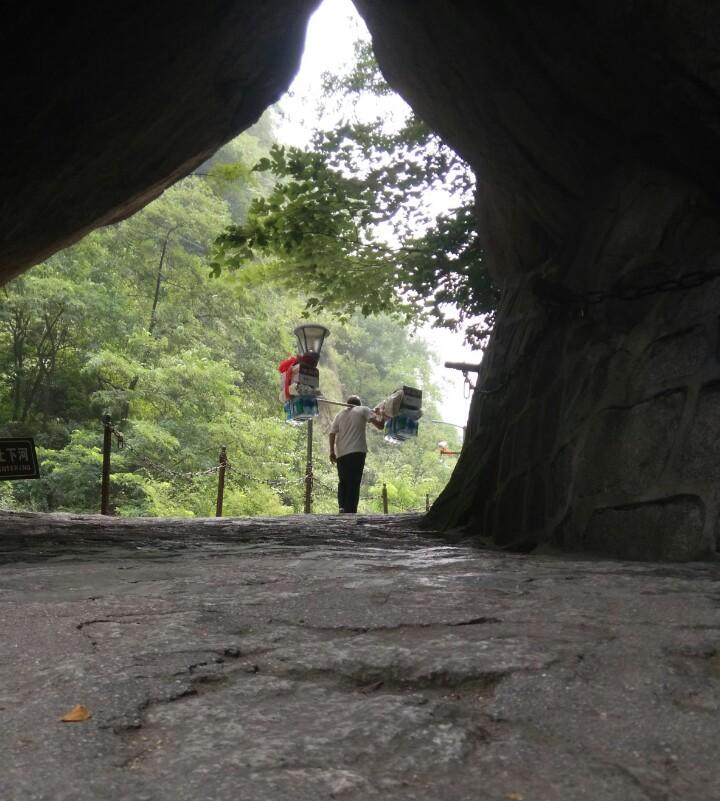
<point x="329" y="47"/>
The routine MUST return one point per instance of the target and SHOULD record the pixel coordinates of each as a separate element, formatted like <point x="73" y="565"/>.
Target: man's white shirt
<point x="349" y="427"/>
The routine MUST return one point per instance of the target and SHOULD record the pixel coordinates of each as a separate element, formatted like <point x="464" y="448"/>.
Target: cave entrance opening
<point x="127" y="325"/>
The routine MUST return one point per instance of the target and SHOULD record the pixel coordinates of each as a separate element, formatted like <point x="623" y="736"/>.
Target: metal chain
<point x="234" y="474"/>
<point x="523" y="359"/>
<point x="119" y="436"/>
<point x="166" y="470"/>
<point x="556" y="294"/>
<point x="367" y="496"/>
<point x="176" y="474"/>
<point x="686" y="281"/>
<point x="122" y="444"/>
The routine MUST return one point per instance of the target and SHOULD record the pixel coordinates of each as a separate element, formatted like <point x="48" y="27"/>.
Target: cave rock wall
<point x="594" y="132"/>
<point x="107" y="104"/>
<point x="597" y="421"/>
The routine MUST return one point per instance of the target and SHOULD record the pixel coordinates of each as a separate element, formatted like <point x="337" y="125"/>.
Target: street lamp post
<point x="310" y="339"/>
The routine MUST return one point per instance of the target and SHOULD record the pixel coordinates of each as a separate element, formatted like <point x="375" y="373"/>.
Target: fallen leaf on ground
<point x="515" y="797"/>
<point x="77" y="713"/>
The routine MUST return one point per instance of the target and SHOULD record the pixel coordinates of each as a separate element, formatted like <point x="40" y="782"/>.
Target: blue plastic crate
<point x="400" y="428"/>
<point x="301" y="408"/>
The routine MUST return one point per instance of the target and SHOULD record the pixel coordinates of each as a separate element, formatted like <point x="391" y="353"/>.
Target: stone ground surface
<point x="347" y="658"/>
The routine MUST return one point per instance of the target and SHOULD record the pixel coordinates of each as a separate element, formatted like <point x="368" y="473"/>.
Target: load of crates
<point x="404" y="410"/>
<point x="299" y="388"/>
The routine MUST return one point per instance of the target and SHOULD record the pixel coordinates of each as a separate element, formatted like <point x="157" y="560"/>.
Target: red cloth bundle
<point x="284" y="367"/>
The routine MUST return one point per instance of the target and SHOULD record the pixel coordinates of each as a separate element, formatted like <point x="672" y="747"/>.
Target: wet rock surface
<point x="347" y="658"/>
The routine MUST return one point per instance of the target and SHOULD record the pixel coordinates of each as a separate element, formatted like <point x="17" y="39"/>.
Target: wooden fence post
<point x="385" y="498"/>
<point x="309" y="469"/>
<point x="105" y="483"/>
<point x="221" y="481"/>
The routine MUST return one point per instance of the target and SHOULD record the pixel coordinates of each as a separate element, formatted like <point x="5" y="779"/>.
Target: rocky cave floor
<point x="347" y="658"/>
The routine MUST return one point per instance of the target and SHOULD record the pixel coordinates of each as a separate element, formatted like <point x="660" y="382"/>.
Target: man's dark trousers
<point x="350" y="469"/>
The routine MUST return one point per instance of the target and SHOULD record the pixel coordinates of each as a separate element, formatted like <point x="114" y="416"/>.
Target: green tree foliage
<point x="130" y="321"/>
<point x="354" y="212"/>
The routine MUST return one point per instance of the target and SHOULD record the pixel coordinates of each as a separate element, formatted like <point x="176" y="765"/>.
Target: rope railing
<point x="176" y="474"/>
<point x="226" y="471"/>
<point x="368" y="496"/>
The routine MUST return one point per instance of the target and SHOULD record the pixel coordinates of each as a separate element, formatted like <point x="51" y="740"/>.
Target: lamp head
<point x="310" y="339"/>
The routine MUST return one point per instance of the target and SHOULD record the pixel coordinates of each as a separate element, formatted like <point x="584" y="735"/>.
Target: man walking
<point x="348" y="447"/>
